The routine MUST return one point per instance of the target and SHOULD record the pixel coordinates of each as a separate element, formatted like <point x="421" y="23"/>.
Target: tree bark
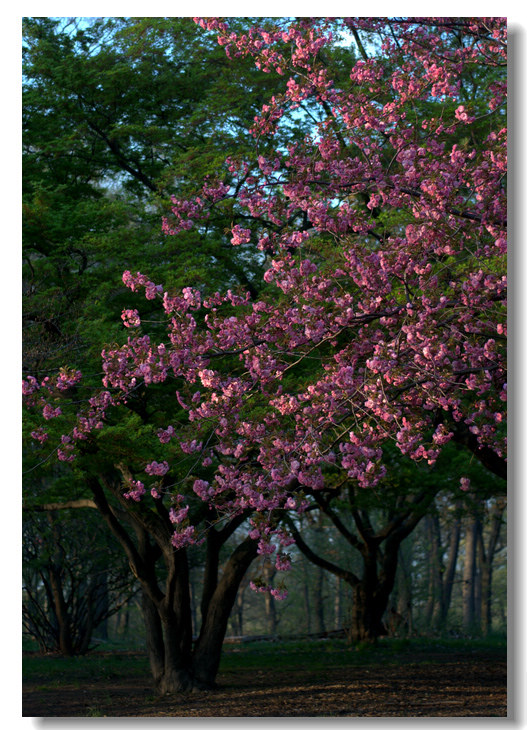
<point x="404" y="592"/>
<point x="338" y="604"/>
<point x="269" y="573"/>
<point x="469" y="573"/>
<point x="176" y="666"/>
<point x="55" y="580"/>
<point x="154" y="638"/>
<point x="369" y="603"/>
<point x="61" y="612"/>
<point x="307" y="602"/>
<point x="450" y="573"/>
<point x="434" y="612"/>
<point x="207" y="652"/>
<point x="486" y="558"/>
<point x="318" y="600"/>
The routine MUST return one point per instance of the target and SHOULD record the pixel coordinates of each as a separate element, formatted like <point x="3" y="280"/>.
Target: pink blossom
<point x="131" y="318"/>
<point x="39" y="435"/>
<point x="240" y="235"/>
<point x="49" y="412"/>
<point x="465" y="484"/>
<point x="177" y="516"/>
<point x="381" y="329"/>
<point x="157" y="469"/>
<point x="136" y="490"/>
<point x="30" y="385"/>
<point x="184" y="538"/>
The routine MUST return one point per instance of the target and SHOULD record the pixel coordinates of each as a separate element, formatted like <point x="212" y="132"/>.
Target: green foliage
<point x="118" y="114"/>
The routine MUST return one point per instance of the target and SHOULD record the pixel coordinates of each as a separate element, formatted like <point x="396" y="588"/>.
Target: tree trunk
<point x="436" y="561"/>
<point x="404" y="592"/>
<point x="269" y="573"/>
<point x="193" y="603"/>
<point x="307" y="602"/>
<point x="207" y="653"/>
<point x="154" y="638"/>
<point x="371" y="593"/>
<point x="369" y="602"/>
<point x="176" y="666"/>
<point x="318" y="600"/>
<point x="61" y="612"/>
<point x="338" y="604"/>
<point x="65" y="638"/>
<point x="486" y="557"/>
<point x="469" y="573"/>
<point x="177" y="670"/>
<point x="238" y="612"/>
<point x="366" y="614"/>
<point x="450" y="573"/>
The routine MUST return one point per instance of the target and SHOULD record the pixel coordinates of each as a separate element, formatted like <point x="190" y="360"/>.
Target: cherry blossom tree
<point x="383" y="318"/>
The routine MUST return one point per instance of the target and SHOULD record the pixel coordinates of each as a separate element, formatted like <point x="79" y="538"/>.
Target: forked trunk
<point x="371" y="594"/>
<point x="207" y="652"/>
<point x="176" y="665"/>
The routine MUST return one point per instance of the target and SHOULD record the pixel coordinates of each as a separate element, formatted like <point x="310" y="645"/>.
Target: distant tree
<point x="487" y="549"/>
<point x="74" y="579"/>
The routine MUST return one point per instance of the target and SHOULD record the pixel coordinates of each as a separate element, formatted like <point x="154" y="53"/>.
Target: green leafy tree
<point x="396" y="317"/>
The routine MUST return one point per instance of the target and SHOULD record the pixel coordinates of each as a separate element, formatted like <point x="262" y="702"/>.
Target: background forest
<point x="120" y="114"/>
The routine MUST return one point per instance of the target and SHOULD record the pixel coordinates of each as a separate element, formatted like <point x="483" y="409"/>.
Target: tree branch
<point x="346" y="575"/>
<point x="51" y="506"/>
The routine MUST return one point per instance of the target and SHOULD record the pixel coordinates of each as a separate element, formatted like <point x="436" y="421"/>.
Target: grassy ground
<point x="405" y="678"/>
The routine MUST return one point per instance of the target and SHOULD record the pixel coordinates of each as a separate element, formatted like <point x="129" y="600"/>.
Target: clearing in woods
<point x="325" y="678"/>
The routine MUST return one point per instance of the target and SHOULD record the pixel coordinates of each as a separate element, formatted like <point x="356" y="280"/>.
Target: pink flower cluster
<point x="157" y="469"/>
<point x="131" y="318"/>
<point x="384" y="316"/>
<point x="136" y="491"/>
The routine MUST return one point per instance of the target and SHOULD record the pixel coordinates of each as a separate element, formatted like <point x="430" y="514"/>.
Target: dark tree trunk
<point x="269" y="573"/>
<point x="193" y="603"/>
<point x="237" y="613"/>
<point x="436" y="559"/>
<point x="486" y="557"/>
<point x="318" y="600"/>
<point x="450" y="572"/>
<point x="307" y="602"/>
<point x="101" y="601"/>
<point x="61" y="612"/>
<point x="177" y="671"/>
<point x="366" y="614"/>
<point x="469" y="574"/>
<point x="65" y="639"/>
<point x="441" y="579"/>
<point x="154" y="638"/>
<point x="431" y="573"/>
<point x="207" y="652"/>
<point x="177" y="666"/>
<point x="338" y="604"/>
<point x="404" y="594"/>
<point x="371" y="594"/>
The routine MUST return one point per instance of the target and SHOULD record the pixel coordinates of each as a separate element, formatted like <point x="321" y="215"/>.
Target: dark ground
<point x="280" y="681"/>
